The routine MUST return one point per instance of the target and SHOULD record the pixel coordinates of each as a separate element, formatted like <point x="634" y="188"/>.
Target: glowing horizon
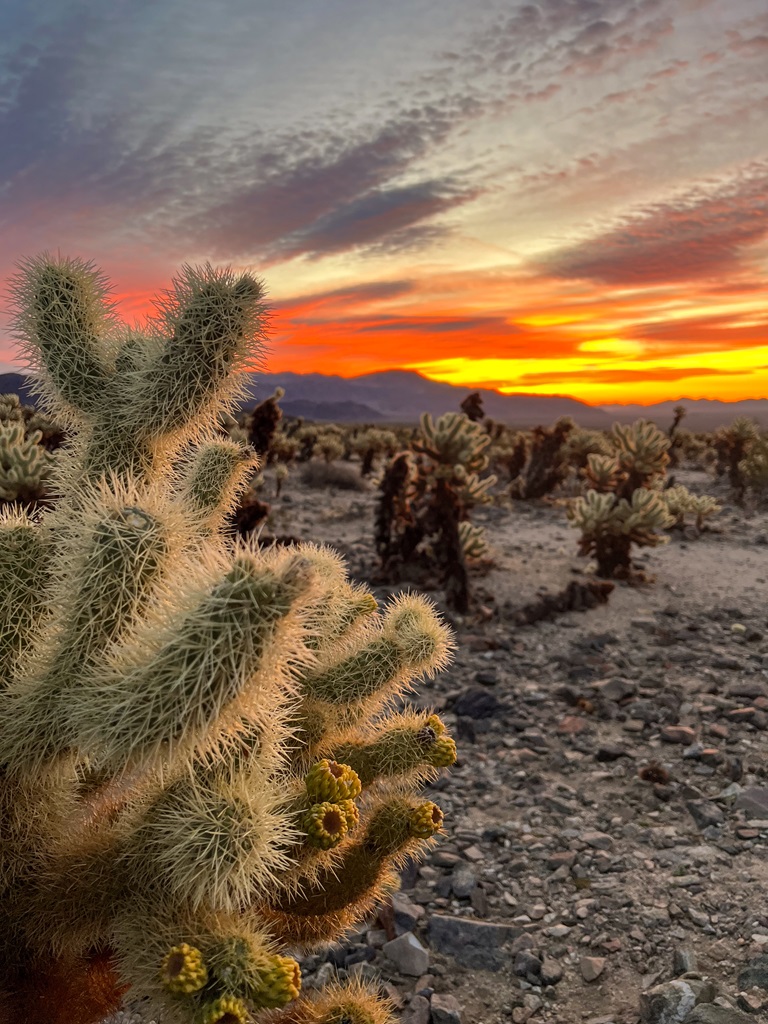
<point x="557" y="198"/>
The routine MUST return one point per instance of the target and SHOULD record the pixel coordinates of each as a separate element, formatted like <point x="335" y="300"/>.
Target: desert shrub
<point x="320" y="475"/>
<point x="262" y="423"/>
<point x="201" y="770"/>
<point x="732" y="445"/>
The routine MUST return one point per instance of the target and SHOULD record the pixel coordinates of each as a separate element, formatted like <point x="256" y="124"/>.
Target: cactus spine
<point x="174" y="703"/>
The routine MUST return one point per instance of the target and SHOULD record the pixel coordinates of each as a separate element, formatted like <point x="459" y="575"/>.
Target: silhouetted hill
<point x="701" y="413"/>
<point x="16" y="383"/>
<point x="400" y="396"/>
<point x="330" y="412"/>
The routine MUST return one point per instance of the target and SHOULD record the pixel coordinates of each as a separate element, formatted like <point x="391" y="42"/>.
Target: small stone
<point x="474" y="853"/>
<point x="572" y="725"/>
<point x="417" y="1011"/>
<point x="678" y="734"/>
<point x="560" y="857"/>
<point x="591" y="967"/>
<point x="753" y="800"/>
<point x="752" y="1001"/>
<point x="445" y="1009"/>
<point x="406" y="913"/>
<point x="476" y="703"/>
<point x="551" y="971"/>
<point x="615" y="689"/>
<point x="463" y="880"/>
<point x="597" y="840"/>
<point x="705" y="813"/>
<point x="407" y="954"/>
<point x="526" y="963"/>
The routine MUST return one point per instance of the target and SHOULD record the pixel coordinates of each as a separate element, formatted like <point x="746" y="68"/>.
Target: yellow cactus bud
<point x="442" y="753"/>
<point x="351" y="813"/>
<point x="226" y="1010"/>
<point x="425" y="820"/>
<point x="279" y="985"/>
<point x="435" y="723"/>
<point x="329" y="780"/>
<point x="325" y="825"/>
<point x="183" y="970"/>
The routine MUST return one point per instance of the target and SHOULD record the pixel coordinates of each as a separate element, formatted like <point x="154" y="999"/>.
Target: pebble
<point x="407" y="954"/>
<point x="591" y="967"/>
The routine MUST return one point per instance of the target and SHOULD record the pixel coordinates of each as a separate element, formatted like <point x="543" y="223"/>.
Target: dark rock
<point x="754" y="800"/>
<point x="476" y="703"/>
<point x="474" y="944"/>
<point x="417" y="1011"/>
<point x="705" y="813"/>
<point x="526" y="963"/>
<point x="672" y="1002"/>
<point x="755" y="973"/>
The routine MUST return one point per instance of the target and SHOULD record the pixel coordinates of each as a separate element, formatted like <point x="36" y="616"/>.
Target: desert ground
<point x="607" y="821"/>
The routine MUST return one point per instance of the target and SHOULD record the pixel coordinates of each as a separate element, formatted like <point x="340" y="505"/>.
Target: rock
<point x="406" y="914"/>
<point x="684" y="960"/>
<point x="672" y="1002"/>
<point x="560" y="857"/>
<point x="445" y="1009"/>
<point x="615" y="689"/>
<point x="572" y="725"/>
<point x="711" y="1014"/>
<point x="475" y="944"/>
<point x="753" y="800"/>
<point x="526" y="963"/>
<point x="753" y="1001"/>
<point x="755" y="973"/>
<point x="551" y="971"/>
<point x="417" y="1011"/>
<point x="597" y="840"/>
<point x="463" y="880"/>
<point x="678" y="734"/>
<point x="705" y="813"/>
<point x="476" y="703"/>
<point x="591" y="967"/>
<point x="407" y="954"/>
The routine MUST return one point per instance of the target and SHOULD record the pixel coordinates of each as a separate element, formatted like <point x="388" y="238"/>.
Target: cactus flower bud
<point x="425" y="820"/>
<point x="329" y="780"/>
<point x="278" y="985"/>
<point x="325" y="825"/>
<point x="183" y="970"/>
<point x="226" y="1010"/>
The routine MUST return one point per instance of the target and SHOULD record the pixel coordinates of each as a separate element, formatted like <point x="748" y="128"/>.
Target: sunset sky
<point x="563" y="197"/>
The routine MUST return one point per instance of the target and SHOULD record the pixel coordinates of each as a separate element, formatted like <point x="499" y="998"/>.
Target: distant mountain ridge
<point x="400" y="396"/>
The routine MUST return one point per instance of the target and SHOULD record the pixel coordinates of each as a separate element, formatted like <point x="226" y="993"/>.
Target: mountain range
<point x="400" y="396"/>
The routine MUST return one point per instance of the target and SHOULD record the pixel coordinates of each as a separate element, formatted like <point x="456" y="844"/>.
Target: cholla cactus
<point x="732" y="445"/>
<point x="262" y="424"/>
<point x="426" y="497"/>
<point x="547" y="464"/>
<point x="509" y="453"/>
<point x="26" y="468"/>
<point x="582" y="443"/>
<point x="370" y="443"/>
<point x="610" y="526"/>
<point x="753" y="468"/>
<point x="623" y="505"/>
<point x="681" y="503"/>
<point x="174" y="708"/>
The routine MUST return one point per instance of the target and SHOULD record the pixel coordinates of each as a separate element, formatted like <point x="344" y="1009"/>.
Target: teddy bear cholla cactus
<point x="623" y="505"/>
<point x="426" y="496"/>
<point x="26" y="468"/>
<point x="198" y="768"/>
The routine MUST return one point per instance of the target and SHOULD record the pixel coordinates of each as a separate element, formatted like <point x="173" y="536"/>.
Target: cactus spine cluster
<point x="198" y="770"/>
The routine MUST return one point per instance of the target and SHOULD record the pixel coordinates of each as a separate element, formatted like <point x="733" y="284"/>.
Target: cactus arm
<point x="207" y="659"/>
<point x="209" y="324"/>
<point x="61" y="315"/>
<point x="213" y="479"/>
